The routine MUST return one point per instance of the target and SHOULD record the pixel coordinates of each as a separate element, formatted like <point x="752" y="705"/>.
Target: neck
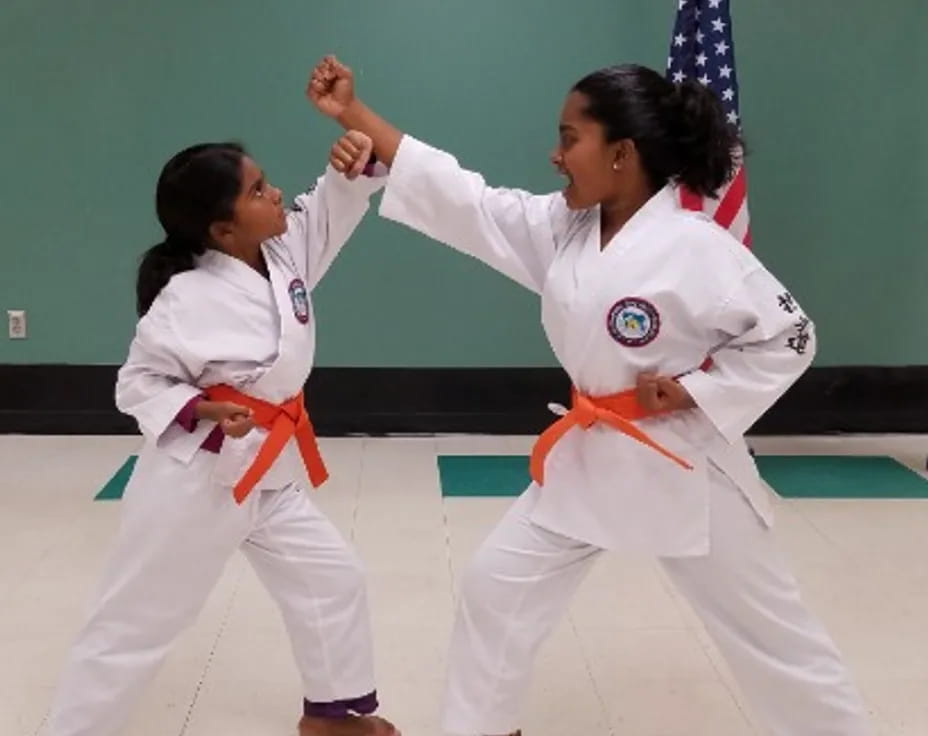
<point x="619" y="210"/>
<point x="251" y="256"/>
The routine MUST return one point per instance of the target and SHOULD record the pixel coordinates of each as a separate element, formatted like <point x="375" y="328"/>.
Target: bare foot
<point x="347" y="726"/>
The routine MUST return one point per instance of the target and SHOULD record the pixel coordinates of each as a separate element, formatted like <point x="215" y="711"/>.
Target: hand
<point x="351" y="153"/>
<point x="331" y="87"/>
<point x="234" y="420"/>
<point x="662" y="393"/>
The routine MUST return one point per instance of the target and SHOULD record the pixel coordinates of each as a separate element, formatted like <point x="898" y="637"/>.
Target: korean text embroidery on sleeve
<point x="787" y="303"/>
<point x="800" y="341"/>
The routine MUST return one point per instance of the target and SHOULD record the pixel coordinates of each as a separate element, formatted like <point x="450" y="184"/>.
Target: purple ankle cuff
<point x="362" y="706"/>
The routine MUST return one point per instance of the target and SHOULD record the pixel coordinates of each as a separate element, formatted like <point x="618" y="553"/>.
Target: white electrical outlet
<point x="17" y="322"/>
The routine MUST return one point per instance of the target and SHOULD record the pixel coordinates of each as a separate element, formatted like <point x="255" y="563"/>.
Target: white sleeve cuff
<point x="710" y="398"/>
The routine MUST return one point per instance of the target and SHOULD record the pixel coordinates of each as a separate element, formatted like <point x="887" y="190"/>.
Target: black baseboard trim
<point x="78" y="399"/>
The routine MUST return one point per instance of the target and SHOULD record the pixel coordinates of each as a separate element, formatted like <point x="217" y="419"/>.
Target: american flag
<point x="702" y="48"/>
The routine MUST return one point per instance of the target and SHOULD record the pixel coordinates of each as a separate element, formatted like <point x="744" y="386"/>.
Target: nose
<point x="278" y="195"/>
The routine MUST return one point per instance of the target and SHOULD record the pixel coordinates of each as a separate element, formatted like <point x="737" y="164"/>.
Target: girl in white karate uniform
<point x="214" y="378"/>
<point x="636" y="293"/>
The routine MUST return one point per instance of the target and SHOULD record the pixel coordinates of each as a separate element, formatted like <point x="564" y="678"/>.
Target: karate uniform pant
<point x="522" y="579"/>
<point x="177" y="534"/>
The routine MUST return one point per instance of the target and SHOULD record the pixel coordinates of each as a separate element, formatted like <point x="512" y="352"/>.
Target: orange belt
<point x="283" y="421"/>
<point x="618" y="411"/>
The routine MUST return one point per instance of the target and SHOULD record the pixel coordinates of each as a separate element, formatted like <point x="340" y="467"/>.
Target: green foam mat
<point x="792" y="476"/>
<point x="836" y="476"/>
<point x="116" y="485"/>
<point x="483" y="475"/>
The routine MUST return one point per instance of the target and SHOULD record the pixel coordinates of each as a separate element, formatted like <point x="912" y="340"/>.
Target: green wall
<point x="96" y="94"/>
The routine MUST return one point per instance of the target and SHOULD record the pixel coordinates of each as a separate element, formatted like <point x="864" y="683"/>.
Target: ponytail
<point x="707" y="144"/>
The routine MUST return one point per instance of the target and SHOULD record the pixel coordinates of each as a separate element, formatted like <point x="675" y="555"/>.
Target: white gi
<point x="669" y="290"/>
<point x="224" y="323"/>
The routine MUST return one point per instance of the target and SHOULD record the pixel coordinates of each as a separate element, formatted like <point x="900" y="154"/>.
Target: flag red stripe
<point x="734" y="198"/>
<point x="690" y="200"/>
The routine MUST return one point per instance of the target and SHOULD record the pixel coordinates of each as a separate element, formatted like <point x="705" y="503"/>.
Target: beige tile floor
<point x="630" y="660"/>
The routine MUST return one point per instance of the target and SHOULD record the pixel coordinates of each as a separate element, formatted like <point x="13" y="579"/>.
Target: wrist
<point x="686" y="398"/>
<point x="354" y="111"/>
<point x="204" y="409"/>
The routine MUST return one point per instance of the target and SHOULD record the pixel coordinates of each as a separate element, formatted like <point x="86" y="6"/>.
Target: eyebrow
<point x="563" y="127"/>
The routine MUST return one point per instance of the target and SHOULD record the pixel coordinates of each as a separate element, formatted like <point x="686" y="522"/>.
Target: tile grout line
<point x="356" y="511"/>
<point x="212" y="654"/>
<point x="705" y="646"/>
<point x="587" y="665"/>
<point x="447" y="530"/>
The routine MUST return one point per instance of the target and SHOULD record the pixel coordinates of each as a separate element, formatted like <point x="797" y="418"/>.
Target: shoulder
<point x="712" y="244"/>
<point x="182" y="301"/>
<point x="187" y="289"/>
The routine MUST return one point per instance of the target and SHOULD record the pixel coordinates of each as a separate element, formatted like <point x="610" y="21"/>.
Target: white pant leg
<point x="513" y="593"/>
<point x="319" y="584"/>
<point x="783" y="658"/>
<point x="176" y="534"/>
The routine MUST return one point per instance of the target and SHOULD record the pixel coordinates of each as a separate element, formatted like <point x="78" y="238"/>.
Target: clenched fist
<point x="351" y="153"/>
<point x="331" y="87"/>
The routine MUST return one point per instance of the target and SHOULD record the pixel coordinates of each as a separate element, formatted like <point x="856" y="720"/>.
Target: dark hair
<point x="680" y="130"/>
<point x="197" y="187"/>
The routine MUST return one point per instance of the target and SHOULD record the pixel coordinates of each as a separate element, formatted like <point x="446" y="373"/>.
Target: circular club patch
<point x="633" y="322"/>
<point x="300" y="300"/>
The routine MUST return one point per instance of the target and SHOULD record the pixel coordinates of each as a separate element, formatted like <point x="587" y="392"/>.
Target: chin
<point x="572" y="202"/>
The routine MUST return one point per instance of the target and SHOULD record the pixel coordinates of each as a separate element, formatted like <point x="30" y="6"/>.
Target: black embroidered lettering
<point x="787" y="303"/>
<point x="800" y="341"/>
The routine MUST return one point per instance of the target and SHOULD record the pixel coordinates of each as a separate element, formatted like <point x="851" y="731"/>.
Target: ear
<point x="221" y="233"/>
<point x="623" y="151"/>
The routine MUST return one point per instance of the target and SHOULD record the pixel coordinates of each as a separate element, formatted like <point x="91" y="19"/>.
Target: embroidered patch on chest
<point x="300" y="300"/>
<point x="633" y="322"/>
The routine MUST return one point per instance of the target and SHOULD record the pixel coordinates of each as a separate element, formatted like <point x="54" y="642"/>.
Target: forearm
<point x="386" y="137"/>
<point x="743" y="384"/>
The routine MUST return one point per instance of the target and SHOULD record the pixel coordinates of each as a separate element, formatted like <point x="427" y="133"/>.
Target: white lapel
<point x="297" y="330"/>
<point x="661" y="205"/>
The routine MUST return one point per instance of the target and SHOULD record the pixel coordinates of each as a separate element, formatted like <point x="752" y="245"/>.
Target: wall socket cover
<point x="17" y="324"/>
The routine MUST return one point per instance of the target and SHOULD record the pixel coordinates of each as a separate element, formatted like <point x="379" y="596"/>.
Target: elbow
<point x="801" y="341"/>
<point x="126" y="393"/>
<point x="121" y="390"/>
<point x="812" y="351"/>
<point x="811" y="345"/>
<point x="124" y="405"/>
